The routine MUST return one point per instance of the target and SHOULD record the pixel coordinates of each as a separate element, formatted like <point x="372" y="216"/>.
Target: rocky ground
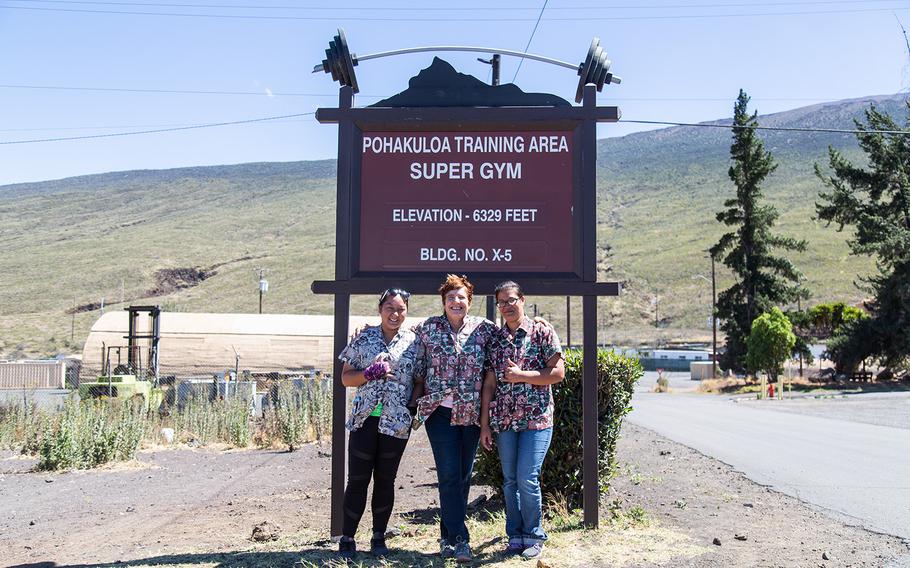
<point x="198" y="507"/>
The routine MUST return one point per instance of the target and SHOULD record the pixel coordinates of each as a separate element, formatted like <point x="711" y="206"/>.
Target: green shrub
<point x="90" y="433"/>
<point x="236" y="428"/>
<point x="20" y="426"/>
<point x="299" y="414"/>
<point x="561" y="477"/>
<point x="291" y="415"/>
<point x="202" y="422"/>
<point x="319" y="408"/>
<point x="198" y="421"/>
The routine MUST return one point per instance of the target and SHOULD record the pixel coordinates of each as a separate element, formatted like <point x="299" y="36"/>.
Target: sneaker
<point x="446" y="550"/>
<point x="533" y="551"/>
<point x="347" y="548"/>
<point x="463" y="552"/>
<point x="515" y="547"/>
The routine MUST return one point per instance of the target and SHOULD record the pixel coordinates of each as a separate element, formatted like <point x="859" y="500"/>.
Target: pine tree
<point x="875" y="202"/>
<point x="763" y="280"/>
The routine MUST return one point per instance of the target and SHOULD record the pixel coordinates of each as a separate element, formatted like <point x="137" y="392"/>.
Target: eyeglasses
<point x="392" y="292"/>
<point x="509" y="302"/>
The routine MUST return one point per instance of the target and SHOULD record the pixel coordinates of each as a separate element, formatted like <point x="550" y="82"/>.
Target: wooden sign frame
<point x="582" y="281"/>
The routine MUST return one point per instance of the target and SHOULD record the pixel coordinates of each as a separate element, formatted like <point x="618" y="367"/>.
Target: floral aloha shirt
<point x="393" y="393"/>
<point x="522" y="406"/>
<point x="455" y="363"/>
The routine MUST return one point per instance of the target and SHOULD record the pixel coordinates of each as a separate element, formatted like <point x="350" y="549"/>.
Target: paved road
<point x="856" y="471"/>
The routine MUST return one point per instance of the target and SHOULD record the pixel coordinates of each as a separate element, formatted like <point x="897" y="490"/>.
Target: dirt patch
<point x="170" y="280"/>
<point x="199" y="508"/>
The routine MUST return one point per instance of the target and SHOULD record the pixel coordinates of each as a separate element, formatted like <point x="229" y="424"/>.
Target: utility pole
<point x="495" y="61"/>
<point x="799" y="309"/>
<point x="263" y="285"/>
<point x="713" y="321"/>
<point x="568" y="321"/>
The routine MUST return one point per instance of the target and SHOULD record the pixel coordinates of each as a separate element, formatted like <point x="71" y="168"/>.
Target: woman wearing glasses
<point x="517" y="406"/>
<point x="383" y="363"/>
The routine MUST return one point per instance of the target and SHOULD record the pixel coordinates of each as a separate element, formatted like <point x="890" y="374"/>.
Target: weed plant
<point x="319" y="401"/>
<point x="291" y="415"/>
<point x="299" y="415"/>
<point x="91" y="433"/>
<point x="94" y="432"/>
<point x="20" y="426"/>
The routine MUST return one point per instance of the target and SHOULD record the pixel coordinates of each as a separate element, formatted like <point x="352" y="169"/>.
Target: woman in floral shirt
<point x="457" y="351"/>
<point x="517" y="406"/>
<point x="383" y="362"/>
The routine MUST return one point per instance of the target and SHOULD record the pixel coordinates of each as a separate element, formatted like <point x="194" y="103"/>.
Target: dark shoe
<point x="347" y="548"/>
<point x="446" y="550"/>
<point x="378" y="547"/>
<point x="463" y="552"/>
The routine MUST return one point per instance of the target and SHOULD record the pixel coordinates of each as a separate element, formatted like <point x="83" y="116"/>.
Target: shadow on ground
<point x="323" y="552"/>
<point x="485" y="553"/>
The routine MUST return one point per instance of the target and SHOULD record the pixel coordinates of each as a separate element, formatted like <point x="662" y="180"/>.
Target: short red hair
<point x="454" y="282"/>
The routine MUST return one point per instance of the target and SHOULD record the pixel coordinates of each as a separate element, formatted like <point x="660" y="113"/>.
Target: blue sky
<point x="680" y="61"/>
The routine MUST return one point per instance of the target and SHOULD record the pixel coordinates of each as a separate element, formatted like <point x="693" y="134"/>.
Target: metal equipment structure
<point x="340" y="62"/>
<point x="130" y="380"/>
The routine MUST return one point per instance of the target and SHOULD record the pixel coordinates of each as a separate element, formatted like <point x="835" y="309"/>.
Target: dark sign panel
<point x="463" y="201"/>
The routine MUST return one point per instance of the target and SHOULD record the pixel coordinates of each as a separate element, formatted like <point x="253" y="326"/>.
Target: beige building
<point x="199" y="342"/>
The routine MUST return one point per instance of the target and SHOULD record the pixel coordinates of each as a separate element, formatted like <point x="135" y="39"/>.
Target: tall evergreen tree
<point x="763" y="280"/>
<point x="875" y="202"/>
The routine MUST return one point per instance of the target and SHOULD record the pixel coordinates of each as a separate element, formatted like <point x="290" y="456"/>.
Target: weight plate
<point x="347" y="60"/>
<point x="330" y="63"/>
<point x="584" y="68"/>
<point x="602" y="72"/>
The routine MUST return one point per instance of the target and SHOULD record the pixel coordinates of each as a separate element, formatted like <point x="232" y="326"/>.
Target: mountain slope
<point x="72" y="242"/>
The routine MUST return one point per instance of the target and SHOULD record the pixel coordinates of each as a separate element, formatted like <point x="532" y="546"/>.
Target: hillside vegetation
<point x="71" y="242"/>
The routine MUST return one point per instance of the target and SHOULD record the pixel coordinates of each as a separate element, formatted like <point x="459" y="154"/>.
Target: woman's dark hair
<point x="507" y="285"/>
<point x="391" y="293"/>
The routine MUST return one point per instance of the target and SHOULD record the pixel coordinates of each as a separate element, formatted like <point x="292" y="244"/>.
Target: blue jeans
<point x="454" y="449"/>
<point x="522" y="454"/>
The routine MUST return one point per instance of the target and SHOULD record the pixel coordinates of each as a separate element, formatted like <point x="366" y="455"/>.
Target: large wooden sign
<point x="453" y="175"/>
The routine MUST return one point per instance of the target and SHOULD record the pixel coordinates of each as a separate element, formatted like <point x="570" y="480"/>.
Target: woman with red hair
<point x="457" y="350"/>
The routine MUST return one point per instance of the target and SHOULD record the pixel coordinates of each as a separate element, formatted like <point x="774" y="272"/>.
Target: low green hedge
<point x="561" y="477"/>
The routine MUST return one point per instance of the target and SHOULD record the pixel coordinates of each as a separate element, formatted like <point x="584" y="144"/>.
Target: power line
<point x="156" y="131"/>
<point x="175" y="91"/>
<point x="454" y="8"/>
<point x="362" y="95"/>
<point x="288" y="116"/>
<point x="779" y="128"/>
<point x="164" y="91"/>
<point x="534" y="31"/>
<point x="479" y="19"/>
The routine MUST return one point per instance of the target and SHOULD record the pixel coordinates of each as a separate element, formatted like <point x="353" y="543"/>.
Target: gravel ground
<point x="198" y="508"/>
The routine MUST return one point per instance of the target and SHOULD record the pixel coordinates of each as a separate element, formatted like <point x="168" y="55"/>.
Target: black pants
<point x="371" y="454"/>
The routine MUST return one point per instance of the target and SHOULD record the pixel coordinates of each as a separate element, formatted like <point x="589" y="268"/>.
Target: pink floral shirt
<point x="521" y="406"/>
<point x="455" y="361"/>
